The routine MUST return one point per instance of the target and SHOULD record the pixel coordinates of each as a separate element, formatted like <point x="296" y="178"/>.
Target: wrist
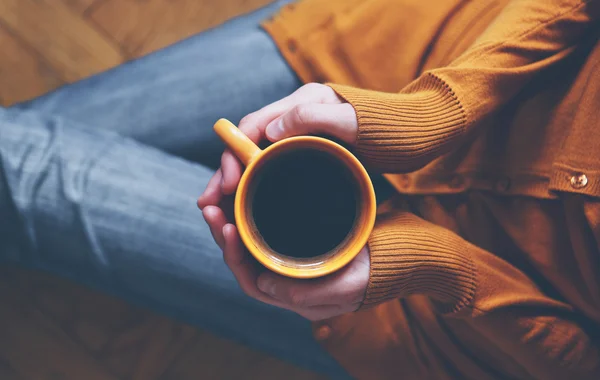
<point x="402" y="132"/>
<point x="411" y="256"/>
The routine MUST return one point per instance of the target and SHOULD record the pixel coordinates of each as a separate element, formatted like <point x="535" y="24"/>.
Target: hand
<point x="314" y="108"/>
<point x="315" y="299"/>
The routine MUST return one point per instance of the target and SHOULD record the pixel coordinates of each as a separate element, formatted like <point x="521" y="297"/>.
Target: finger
<point x="232" y="172"/>
<point x="253" y="126"/>
<point x="227" y="206"/>
<point x="212" y="194"/>
<point x="337" y="120"/>
<point x="215" y="218"/>
<point x="235" y="257"/>
<point x="246" y="273"/>
<point x="347" y="286"/>
<point x="245" y="270"/>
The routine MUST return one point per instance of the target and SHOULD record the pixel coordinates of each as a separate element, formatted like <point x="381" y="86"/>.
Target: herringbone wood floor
<point x="51" y="328"/>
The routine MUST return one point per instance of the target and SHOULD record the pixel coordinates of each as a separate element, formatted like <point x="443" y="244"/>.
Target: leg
<point x="171" y="98"/>
<point x="118" y="216"/>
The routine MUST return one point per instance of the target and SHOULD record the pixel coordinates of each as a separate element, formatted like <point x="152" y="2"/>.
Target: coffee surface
<point x="304" y="203"/>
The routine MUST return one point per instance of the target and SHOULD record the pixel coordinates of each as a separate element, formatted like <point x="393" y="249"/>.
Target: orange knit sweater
<point x="484" y="115"/>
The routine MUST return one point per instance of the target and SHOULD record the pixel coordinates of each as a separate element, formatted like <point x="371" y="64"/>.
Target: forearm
<point x="401" y="132"/>
<point x="412" y="256"/>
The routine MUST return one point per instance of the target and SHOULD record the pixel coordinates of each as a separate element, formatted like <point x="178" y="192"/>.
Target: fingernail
<point x="266" y="285"/>
<point x="275" y="131"/>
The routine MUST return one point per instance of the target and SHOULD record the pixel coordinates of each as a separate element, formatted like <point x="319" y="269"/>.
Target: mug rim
<point x="329" y="264"/>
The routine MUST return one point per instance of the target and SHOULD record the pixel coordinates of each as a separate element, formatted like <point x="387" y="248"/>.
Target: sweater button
<point x="323" y="332"/>
<point x="579" y="181"/>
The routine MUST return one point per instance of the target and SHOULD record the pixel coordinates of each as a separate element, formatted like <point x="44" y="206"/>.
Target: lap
<point x="86" y="172"/>
<point x="170" y="99"/>
<point x="111" y="213"/>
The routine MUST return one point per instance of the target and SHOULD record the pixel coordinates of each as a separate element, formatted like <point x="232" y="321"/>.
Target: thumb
<point x="337" y="120"/>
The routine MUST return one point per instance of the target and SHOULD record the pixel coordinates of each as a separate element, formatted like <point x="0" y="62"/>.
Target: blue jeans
<point x="98" y="183"/>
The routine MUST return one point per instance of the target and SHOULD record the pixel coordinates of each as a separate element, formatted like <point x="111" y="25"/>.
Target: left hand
<point x="314" y="299"/>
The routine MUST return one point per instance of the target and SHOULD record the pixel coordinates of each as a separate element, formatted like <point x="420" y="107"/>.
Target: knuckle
<point x="322" y="93"/>
<point x="301" y="114"/>
<point x="248" y="125"/>
<point x="296" y="297"/>
<point x="247" y="119"/>
<point x="249" y="128"/>
<point x="227" y="155"/>
<point x="331" y="97"/>
<point x="310" y="90"/>
<point x="313" y="86"/>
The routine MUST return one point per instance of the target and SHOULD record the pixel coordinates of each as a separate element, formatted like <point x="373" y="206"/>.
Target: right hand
<point x="313" y="108"/>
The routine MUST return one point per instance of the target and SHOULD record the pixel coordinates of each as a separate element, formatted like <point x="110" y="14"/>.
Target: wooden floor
<point x="51" y="328"/>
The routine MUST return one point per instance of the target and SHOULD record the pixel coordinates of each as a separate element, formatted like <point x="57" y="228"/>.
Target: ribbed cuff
<point x="402" y="132"/>
<point x="412" y="256"/>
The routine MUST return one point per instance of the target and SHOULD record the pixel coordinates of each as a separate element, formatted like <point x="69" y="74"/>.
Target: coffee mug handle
<point x="241" y="145"/>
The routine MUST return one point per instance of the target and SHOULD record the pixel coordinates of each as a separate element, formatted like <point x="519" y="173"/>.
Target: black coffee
<point x="304" y="203"/>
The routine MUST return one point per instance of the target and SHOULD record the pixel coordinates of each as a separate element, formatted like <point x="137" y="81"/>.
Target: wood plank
<point x="217" y="358"/>
<point x="145" y="26"/>
<point x="93" y="336"/>
<point x="147" y="349"/>
<point x="271" y="368"/>
<point x="22" y="74"/>
<point x="214" y="358"/>
<point x="67" y="42"/>
<point x="80" y="6"/>
<point x="131" y="343"/>
<point x="68" y="302"/>
<point x="50" y="295"/>
<point x="6" y="372"/>
<point x="35" y="348"/>
<point x="90" y="318"/>
<point x="163" y="346"/>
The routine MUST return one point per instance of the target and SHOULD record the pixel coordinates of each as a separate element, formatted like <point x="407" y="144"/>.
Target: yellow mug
<point x="271" y="230"/>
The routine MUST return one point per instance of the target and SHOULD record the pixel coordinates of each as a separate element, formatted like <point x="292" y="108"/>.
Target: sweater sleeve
<point x="412" y="256"/>
<point x="402" y="132"/>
